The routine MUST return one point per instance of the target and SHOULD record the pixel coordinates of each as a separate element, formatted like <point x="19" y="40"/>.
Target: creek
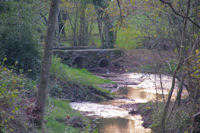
<point x="133" y="88"/>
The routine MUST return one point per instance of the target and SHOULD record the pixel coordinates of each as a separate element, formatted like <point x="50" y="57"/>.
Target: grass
<point x="129" y="37"/>
<point x="138" y="26"/>
<point x="78" y="76"/>
<point x="81" y="76"/>
<point x="58" y="109"/>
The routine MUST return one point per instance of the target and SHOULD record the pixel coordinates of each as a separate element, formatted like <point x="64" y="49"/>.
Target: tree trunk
<point x="178" y="97"/>
<point x="75" y="36"/>
<point x="46" y="62"/>
<point x="107" y="35"/>
<point x="100" y="25"/>
<point x="83" y="25"/>
<point x="61" y="24"/>
<point x="165" y="110"/>
<point x="109" y="32"/>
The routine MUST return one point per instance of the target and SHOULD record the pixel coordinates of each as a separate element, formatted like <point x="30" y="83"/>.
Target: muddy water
<point x="121" y="125"/>
<point x="112" y="118"/>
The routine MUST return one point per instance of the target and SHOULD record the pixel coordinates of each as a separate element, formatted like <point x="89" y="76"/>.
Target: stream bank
<point x="121" y="115"/>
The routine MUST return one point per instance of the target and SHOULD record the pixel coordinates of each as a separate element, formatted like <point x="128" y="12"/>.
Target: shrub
<point x="13" y="88"/>
<point x="19" y="38"/>
<point x="20" y="48"/>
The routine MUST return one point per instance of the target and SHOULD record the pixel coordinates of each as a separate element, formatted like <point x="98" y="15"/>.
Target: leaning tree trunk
<point x="46" y="62"/>
<point x="165" y="110"/>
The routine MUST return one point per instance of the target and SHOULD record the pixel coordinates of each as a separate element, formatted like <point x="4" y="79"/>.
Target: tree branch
<point x="120" y="10"/>
<point x="178" y="14"/>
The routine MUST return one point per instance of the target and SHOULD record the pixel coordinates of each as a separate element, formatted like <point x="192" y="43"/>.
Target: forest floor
<point x="141" y="60"/>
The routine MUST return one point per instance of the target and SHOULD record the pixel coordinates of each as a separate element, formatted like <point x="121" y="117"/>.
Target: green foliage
<point x="95" y="39"/>
<point x="129" y="38"/>
<point x="132" y="36"/>
<point x="179" y="120"/>
<point x="156" y="116"/>
<point x="12" y="88"/>
<point x="59" y="109"/>
<point x="76" y="75"/>
<point x="19" y="38"/>
<point x="8" y="96"/>
<point x="76" y="84"/>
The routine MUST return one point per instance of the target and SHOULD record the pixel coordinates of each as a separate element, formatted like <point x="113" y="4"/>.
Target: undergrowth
<point x="18" y="96"/>
<point x="14" y="89"/>
<point x="80" y="76"/>
<point x="59" y="113"/>
<point x="179" y="121"/>
<point x="76" y="84"/>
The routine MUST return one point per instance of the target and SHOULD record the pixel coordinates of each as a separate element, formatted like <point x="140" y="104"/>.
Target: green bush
<point x="19" y="38"/>
<point x="179" y="120"/>
<point x="20" y="47"/>
<point x="13" y="88"/>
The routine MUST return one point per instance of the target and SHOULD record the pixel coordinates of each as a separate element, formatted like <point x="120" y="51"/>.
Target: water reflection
<point x="120" y="125"/>
<point x="140" y="95"/>
<point x="114" y="119"/>
<point x="99" y="110"/>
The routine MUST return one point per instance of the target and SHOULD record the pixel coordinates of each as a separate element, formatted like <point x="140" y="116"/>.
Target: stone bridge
<point x="87" y="58"/>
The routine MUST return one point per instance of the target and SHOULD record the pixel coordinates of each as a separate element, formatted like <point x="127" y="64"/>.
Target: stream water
<point x="140" y="88"/>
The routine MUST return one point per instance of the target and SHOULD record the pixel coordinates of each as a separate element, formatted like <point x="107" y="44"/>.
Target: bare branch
<point x="178" y="14"/>
<point x="120" y="10"/>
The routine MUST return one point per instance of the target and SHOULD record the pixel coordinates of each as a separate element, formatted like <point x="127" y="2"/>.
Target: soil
<point x="145" y="113"/>
<point x="134" y="60"/>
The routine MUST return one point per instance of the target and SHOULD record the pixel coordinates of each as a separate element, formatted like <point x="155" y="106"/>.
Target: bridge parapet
<point x="88" y="58"/>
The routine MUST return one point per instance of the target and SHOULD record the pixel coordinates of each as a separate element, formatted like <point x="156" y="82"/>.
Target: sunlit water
<point x="122" y="125"/>
<point x="112" y="118"/>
